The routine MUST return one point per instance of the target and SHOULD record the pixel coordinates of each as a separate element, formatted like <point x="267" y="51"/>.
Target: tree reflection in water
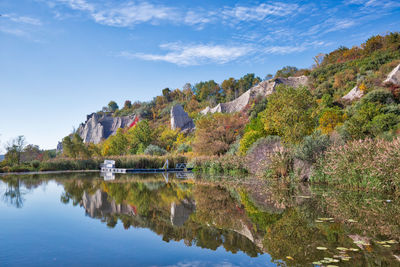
<point x="283" y="222"/>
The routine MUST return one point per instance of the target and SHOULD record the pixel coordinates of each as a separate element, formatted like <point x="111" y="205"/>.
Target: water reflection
<point x="291" y="224"/>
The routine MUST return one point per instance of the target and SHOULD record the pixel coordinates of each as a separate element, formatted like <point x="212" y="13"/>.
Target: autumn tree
<point x="216" y="132"/>
<point x="289" y="113"/>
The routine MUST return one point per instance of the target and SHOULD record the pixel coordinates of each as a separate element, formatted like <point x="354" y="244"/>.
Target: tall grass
<point x="371" y="164"/>
<point x="228" y="164"/>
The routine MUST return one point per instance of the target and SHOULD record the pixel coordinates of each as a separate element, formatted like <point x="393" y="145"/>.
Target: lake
<point x="84" y="219"/>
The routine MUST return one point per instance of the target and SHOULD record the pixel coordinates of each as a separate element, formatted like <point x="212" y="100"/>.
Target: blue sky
<point x="63" y="59"/>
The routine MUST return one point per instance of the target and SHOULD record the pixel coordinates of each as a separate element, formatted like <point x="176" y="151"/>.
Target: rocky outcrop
<point x="98" y="205"/>
<point x="98" y="127"/>
<point x="180" y="119"/>
<point x="354" y="94"/>
<point x="264" y="89"/>
<point x="393" y="77"/>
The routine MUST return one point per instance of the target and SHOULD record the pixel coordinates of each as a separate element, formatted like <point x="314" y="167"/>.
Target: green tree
<point x="14" y="150"/>
<point x="286" y="71"/>
<point x="139" y="136"/>
<point x="112" y="106"/>
<point x="289" y="114"/>
<point x="246" y="82"/>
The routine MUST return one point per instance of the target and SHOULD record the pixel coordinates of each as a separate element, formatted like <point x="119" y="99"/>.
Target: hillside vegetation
<point x="306" y="121"/>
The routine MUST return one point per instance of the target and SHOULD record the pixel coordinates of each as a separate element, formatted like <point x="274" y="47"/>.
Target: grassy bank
<point x="370" y="164"/>
<point x="128" y="162"/>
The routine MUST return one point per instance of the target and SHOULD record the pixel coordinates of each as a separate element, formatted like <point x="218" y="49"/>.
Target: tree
<point x="229" y="88"/>
<point x="166" y="93"/>
<point x="140" y="136"/>
<point x="246" y="82"/>
<point x="112" y="106"/>
<point x="127" y="104"/>
<point x="31" y="152"/>
<point x="289" y="114"/>
<point x="216" y="132"/>
<point x="286" y="71"/>
<point x="14" y="150"/>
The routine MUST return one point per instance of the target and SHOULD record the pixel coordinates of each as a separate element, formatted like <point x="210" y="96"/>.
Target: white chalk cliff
<point x="98" y="127"/>
<point x="264" y="88"/>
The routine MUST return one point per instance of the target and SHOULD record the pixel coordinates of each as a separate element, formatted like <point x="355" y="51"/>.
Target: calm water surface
<point x="143" y="220"/>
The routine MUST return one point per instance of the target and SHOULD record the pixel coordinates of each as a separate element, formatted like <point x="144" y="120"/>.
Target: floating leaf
<point x="289" y="258"/>
<point x="342" y="248"/>
<point x="321" y="248"/>
<point x="318" y="221"/>
<point x="354" y="249"/>
<point x="392" y="242"/>
<point x="359" y="242"/>
<point x="325" y="219"/>
<point x="387" y="246"/>
<point x="332" y="266"/>
<point x="317" y="263"/>
<point x="351" y="221"/>
<point x="381" y="242"/>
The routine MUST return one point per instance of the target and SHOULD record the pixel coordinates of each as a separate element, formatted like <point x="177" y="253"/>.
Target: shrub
<point x="35" y="164"/>
<point x="312" y="147"/>
<point x="281" y="163"/>
<point x="330" y="118"/>
<point x="183" y="148"/>
<point x="155" y="151"/>
<point x="372" y="164"/>
<point x="248" y="139"/>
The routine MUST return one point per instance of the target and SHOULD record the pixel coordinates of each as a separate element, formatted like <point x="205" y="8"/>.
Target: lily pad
<point x="289" y="258"/>
<point x="351" y="221"/>
<point x="317" y="263"/>
<point x="387" y="246"/>
<point x="318" y="221"/>
<point x="392" y="242"/>
<point x="321" y="248"/>
<point x="342" y="248"/>
<point x="354" y="249"/>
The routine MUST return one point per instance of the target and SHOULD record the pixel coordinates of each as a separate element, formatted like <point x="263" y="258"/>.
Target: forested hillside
<point x="291" y="124"/>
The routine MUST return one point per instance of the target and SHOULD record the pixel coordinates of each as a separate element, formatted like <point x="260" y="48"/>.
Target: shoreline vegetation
<point x="342" y="129"/>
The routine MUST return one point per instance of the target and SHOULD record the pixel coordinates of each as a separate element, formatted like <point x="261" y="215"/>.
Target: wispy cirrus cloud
<point x="195" y="54"/>
<point x="22" y="19"/>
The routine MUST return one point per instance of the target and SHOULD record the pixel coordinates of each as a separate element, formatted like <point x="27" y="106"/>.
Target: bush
<point x="35" y="164"/>
<point x="281" y="163"/>
<point x="183" y="148"/>
<point x="155" y="151"/>
<point x="372" y="164"/>
<point x="248" y="139"/>
<point x="231" y="165"/>
<point x="312" y="147"/>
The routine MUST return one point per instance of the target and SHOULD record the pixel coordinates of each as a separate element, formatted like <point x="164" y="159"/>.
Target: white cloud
<point x="189" y="55"/>
<point x="14" y="31"/>
<point x="130" y="14"/>
<point x="260" y="12"/>
<point x="22" y="19"/>
<point x="79" y="5"/>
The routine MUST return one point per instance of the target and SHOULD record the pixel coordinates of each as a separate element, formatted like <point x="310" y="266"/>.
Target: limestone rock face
<point x="98" y="127"/>
<point x="355" y="93"/>
<point x="393" y="77"/>
<point x="264" y="88"/>
<point x="180" y="119"/>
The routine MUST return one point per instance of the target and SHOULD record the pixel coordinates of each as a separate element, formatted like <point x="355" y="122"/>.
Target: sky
<point x="63" y="59"/>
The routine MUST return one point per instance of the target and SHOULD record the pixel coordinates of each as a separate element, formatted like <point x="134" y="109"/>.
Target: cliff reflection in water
<point x="288" y="223"/>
